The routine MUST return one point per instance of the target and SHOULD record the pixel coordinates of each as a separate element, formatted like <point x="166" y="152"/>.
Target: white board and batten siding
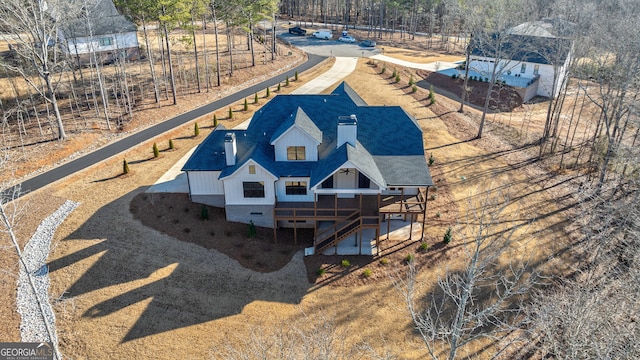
<point x="234" y="191"/>
<point x="205" y="183"/>
<point x="545" y="71"/>
<point x="281" y="190"/>
<point x="296" y="137"/>
<point x="85" y="45"/>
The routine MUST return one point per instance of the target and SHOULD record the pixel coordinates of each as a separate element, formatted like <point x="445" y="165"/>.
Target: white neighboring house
<point x="102" y="29"/>
<point x="529" y="55"/>
<point x="328" y="162"/>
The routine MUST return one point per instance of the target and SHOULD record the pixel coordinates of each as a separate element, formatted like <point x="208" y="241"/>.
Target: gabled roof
<point x="358" y="156"/>
<point x="344" y="88"/>
<point x="547" y="27"/>
<point x="257" y="153"/>
<point x="99" y="18"/>
<point x="526" y="48"/>
<point x="386" y="136"/>
<point x="302" y="121"/>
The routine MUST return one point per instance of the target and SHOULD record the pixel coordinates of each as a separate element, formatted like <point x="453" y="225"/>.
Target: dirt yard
<point x="125" y="290"/>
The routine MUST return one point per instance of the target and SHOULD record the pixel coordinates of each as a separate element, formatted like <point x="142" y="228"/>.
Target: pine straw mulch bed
<point x="177" y="216"/>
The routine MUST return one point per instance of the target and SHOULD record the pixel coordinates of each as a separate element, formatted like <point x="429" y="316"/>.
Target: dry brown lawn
<point x="126" y="290"/>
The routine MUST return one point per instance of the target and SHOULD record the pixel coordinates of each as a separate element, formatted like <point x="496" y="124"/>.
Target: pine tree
<point x="230" y="113"/>
<point x="156" y="151"/>
<point x="268" y="93"/>
<point x="296" y="76"/>
<point x="215" y="120"/>
<point x="246" y="105"/>
<point x="255" y="98"/>
<point x="196" y="130"/>
<point x="171" y="146"/>
<point x="125" y="167"/>
<point x="432" y="96"/>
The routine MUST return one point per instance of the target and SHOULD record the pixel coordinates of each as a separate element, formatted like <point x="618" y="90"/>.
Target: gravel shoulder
<point x="37" y="317"/>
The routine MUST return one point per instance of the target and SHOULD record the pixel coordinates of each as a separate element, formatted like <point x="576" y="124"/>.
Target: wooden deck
<point x="367" y="211"/>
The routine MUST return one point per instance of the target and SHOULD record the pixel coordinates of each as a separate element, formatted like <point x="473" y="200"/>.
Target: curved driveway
<point x="124" y="144"/>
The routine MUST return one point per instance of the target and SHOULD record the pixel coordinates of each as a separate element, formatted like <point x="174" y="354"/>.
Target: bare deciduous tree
<point x="311" y="337"/>
<point x="34" y="28"/>
<point x="594" y="312"/>
<point x="10" y="212"/>
<point x="482" y="301"/>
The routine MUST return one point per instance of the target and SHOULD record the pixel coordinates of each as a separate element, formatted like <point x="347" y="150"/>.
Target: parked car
<point x="297" y="30"/>
<point x="368" y="43"/>
<point x="323" y="34"/>
<point x="347" y="38"/>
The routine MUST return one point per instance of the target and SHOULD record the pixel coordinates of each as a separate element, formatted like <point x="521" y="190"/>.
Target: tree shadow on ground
<point x="185" y="284"/>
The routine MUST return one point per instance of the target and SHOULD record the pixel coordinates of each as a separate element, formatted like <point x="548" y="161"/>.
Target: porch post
<point x="411" y="226"/>
<point x="315" y="215"/>
<point x="295" y="228"/>
<point x="275" y="227"/>
<point x="388" y="227"/>
<point x="424" y="214"/>
<point x="402" y="203"/>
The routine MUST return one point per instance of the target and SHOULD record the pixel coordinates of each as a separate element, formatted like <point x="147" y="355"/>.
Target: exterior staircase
<point x="331" y="236"/>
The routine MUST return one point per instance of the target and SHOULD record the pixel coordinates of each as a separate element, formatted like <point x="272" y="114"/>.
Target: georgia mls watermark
<point x="26" y="351"/>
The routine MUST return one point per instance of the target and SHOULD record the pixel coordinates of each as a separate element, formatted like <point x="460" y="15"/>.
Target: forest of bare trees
<point x="185" y="47"/>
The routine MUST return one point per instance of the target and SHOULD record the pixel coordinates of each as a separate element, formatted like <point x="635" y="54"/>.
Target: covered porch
<point x="351" y="224"/>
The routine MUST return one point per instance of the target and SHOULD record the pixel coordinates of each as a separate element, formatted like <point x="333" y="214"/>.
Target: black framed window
<point x="253" y="189"/>
<point x="328" y="183"/>
<point x="296" y="188"/>
<point x="295" y="153"/>
<point x="363" y="181"/>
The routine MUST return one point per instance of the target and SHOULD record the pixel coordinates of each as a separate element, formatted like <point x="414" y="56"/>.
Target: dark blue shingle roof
<point x="383" y="132"/>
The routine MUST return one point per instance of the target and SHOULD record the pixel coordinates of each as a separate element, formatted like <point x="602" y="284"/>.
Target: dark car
<point x="368" y="43"/>
<point x="297" y="30"/>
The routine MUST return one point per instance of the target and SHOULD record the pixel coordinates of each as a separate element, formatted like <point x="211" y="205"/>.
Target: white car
<point x="323" y="34"/>
<point x="349" y="39"/>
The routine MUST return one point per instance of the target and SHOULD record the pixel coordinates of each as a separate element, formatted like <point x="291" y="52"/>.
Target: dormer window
<point x="252" y="169"/>
<point x="296" y="153"/>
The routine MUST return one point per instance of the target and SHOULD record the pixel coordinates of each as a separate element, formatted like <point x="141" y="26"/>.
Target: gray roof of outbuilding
<point x="103" y="18"/>
<point x="386" y="137"/>
<point x="526" y="48"/>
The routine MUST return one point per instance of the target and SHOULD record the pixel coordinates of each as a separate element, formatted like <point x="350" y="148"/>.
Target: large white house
<point x="533" y="57"/>
<point x="328" y="162"/>
<point x="100" y="29"/>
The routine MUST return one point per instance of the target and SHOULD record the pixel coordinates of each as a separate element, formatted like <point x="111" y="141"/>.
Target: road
<point x="130" y="141"/>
